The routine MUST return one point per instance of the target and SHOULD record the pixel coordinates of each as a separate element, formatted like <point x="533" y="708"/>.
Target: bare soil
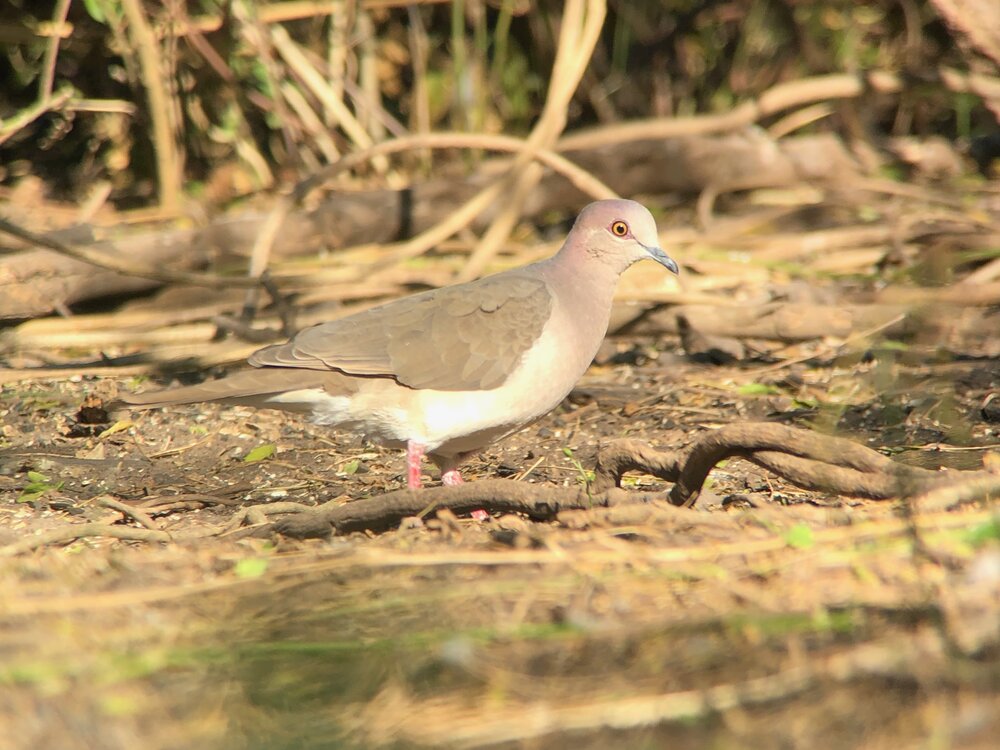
<point x="773" y="617"/>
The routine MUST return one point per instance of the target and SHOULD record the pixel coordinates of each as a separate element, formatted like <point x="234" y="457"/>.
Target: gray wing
<point x="465" y="337"/>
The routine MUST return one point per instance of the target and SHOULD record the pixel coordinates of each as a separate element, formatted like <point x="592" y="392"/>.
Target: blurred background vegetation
<point x="232" y="96"/>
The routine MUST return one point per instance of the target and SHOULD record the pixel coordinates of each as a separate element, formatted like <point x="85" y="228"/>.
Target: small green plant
<point x="251" y="567"/>
<point x="758" y="389"/>
<point x="119" y="426"/>
<point x="586" y="476"/>
<point x="38" y="484"/>
<point x="800" y="536"/>
<point x="260" y="453"/>
<point x="984" y="533"/>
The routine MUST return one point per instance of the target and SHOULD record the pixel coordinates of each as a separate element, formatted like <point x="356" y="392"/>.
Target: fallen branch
<point x="496" y="495"/>
<point x="128" y="511"/>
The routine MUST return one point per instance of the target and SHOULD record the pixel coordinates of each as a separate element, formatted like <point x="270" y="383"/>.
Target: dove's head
<point x="618" y="232"/>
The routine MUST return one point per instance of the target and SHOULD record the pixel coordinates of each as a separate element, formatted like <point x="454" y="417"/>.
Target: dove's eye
<point x="619" y="229"/>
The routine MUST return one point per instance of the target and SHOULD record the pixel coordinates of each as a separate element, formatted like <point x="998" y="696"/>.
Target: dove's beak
<point x="662" y="258"/>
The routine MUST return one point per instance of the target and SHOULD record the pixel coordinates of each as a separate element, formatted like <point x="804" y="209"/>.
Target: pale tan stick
<point x="48" y="76"/>
<point x="86" y="530"/>
<point x="168" y="161"/>
<point x="114" y="106"/>
<point x="129" y="512"/>
<point x="97" y="197"/>
<point x="798" y="119"/>
<point x="337" y="45"/>
<point x="458" y="219"/>
<point x="576" y="46"/>
<point x="580" y="178"/>
<point x="310" y="121"/>
<point x="368" y="75"/>
<point x="316" y="84"/>
<point x="780" y="97"/>
<point x="420" y="95"/>
<point x="111" y="336"/>
<point x="503" y="224"/>
<point x="983" y="274"/>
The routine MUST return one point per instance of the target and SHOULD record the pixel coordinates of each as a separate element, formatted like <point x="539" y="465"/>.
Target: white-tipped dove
<point x="449" y="371"/>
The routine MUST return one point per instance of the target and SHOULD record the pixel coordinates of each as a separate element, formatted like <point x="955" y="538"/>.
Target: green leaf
<point x="979" y="535"/>
<point x="757" y="389"/>
<point x="251" y="567"/>
<point x="38" y="484"/>
<point x="800" y="536"/>
<point x="95" y="9"/>
<point x="350" y="467"/>
<point x="260" y="453"/>
<point x="119" y="426"/>
<point x="891" y="345"/>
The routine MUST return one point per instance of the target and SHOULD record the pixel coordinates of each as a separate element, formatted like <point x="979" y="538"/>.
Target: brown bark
<point x="804" y="458"/>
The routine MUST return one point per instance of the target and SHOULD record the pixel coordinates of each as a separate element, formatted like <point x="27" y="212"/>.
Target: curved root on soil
<point x="804" y="458"/>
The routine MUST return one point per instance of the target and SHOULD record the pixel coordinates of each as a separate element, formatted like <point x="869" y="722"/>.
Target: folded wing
<point x="469" y="337"/>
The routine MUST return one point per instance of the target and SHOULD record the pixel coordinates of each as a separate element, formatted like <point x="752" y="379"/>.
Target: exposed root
<point x="804" y="458"/>
<point x="540" y="503"/>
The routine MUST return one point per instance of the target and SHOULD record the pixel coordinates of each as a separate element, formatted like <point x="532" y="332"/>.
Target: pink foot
<point x="451" y="477"/>
<point x="414" y="452"/>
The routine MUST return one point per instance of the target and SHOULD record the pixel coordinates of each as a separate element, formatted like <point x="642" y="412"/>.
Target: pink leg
<point x="414" y="452"/>
<point x="451" y="477"/>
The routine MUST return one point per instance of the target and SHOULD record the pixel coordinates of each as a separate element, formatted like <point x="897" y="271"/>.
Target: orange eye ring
<point x="619" y="229"/>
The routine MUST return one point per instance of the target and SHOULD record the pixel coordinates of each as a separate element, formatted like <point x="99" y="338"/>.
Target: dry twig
<point x="168" y="160"/>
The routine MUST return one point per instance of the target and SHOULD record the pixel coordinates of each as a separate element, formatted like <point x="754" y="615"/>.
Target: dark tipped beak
<point x="662" y="258"/>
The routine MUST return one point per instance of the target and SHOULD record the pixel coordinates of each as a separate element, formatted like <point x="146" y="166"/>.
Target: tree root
<point x="540" y="503"/>
<point x="804" y="458"/>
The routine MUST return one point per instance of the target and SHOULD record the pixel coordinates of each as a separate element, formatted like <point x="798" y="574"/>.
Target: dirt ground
<point x="767" y="616"/>
<point x="833" y="164"/>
